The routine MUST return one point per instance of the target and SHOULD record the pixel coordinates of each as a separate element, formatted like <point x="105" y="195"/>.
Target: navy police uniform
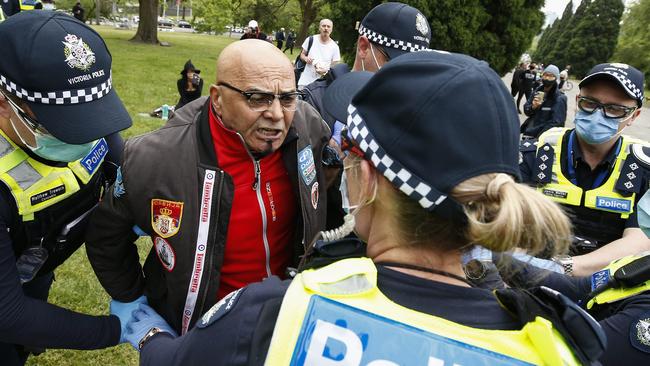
<point x="593" y="226"/>
<point x="48" y="191"/>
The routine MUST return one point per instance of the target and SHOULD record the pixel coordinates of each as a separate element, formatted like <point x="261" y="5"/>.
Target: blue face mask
<point x="594" y="128"/>
<point x="50" y="148"/>
<point x="643" y="214"/>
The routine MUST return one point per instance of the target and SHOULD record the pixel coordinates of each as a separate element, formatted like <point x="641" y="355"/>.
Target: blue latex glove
<point x="123" y="311"/>
<point x="142" y="320"/>
<point x="336" y="134"/>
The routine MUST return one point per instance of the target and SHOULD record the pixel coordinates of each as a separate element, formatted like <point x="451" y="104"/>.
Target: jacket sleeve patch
<point x="118" y="186"/>
<point x="306" y="165"/>
<point x="640" y="333"/>
<point x="220" y="309"/>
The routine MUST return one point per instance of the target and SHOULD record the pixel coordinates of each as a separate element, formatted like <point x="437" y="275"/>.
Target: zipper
<point x="260" y="201"/>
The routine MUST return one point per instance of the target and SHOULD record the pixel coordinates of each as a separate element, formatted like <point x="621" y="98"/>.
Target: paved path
<point x="639" y="129"/>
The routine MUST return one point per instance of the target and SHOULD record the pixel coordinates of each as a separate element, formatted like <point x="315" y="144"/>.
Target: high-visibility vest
<point x="35" y="185"/>
<point x="336" y="315"/>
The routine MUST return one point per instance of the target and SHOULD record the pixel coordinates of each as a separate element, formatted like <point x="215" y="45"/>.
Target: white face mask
<point x="345" y="199"/>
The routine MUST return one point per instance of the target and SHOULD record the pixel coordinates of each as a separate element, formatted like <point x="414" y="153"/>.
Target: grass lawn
<point x="145" y="78"/>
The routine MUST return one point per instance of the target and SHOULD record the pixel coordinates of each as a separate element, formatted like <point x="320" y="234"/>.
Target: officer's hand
<point x="142" y="320"/>
<point x="536" y="103"/>
<point x="123" y="311"/>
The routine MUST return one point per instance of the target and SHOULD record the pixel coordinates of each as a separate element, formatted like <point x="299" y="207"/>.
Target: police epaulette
<point x="642" y="154"/>
<point x="543" y="169"/>
<point x="632" y="172"/>
<point x="527" y="144"/>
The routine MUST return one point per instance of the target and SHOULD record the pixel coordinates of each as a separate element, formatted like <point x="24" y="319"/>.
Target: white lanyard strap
<point x="201" y="245"/>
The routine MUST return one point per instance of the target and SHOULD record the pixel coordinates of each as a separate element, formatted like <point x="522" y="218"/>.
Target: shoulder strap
<point x="311" y="42"/>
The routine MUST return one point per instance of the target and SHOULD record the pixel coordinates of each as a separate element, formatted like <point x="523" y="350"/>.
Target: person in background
<point x="279" y="38"/>
<point x="78" y="12"/>
<point x="190" y="85"/>
<point x="547" y="106"/>
<point x="291" y="42"/>
<point x="323" y="53"/>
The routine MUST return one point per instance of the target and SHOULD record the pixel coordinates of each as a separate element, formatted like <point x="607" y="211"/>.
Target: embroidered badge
<point x="78" y="54"/>
<point x="118" y="186"/>
<point x="640" y="333"/>
<point x="166" y="217"/>
<point x="421" y="24"/>
<point x="314" y="195"/>
<point x="306" y="165"/>
<point x="217" y="311"/>
<point x="165" y="253"/>
<point x="95" y="157"/>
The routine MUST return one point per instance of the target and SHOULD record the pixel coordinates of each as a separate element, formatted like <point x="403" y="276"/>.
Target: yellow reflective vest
<point x="611" y="295"/>
<point x="336" y="315"/>
<point x="604" y="197"/>
<point x="35" y="185"/>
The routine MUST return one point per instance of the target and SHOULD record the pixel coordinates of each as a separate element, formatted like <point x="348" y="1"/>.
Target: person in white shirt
<point x="324" y="53"/>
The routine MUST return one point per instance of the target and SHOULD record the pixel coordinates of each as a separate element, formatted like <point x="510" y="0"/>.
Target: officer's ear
<point x="215" y="98"/>
<point x="363" y="47"/>
<point x="634" y="116"/>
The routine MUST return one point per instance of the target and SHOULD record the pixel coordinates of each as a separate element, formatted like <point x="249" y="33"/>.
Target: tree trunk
<point x="148" y="25"/>
<point x="309" y="9"/>
<point x="97" y="11"/>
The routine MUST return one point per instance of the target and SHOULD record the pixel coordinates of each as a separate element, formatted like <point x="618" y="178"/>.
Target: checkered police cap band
<point x="382" y="40"/>
<point x="66" y="97"/>
<point x="407" y="182"/>
<point x="627" y="83"/>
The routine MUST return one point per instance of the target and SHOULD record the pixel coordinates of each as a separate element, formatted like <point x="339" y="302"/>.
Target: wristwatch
<point x="152" y="332"/>
<point x="566" y="262"/>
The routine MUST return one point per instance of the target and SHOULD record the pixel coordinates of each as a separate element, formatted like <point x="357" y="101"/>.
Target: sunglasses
<point x="590" y="105"/>
<point x="29" y="121"/>
<point x="260" y="101"/>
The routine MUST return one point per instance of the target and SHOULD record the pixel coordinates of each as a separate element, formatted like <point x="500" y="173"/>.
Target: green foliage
<point x="595" y="35"/>
<point x="492" y="30"/>
<point x="214" y="14"/>
<point x="583" y="39"/>
<point x="547" y="48"/>
<point x="634" y="44"/>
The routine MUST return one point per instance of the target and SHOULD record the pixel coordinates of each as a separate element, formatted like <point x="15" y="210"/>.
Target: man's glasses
<point x="261" y="101"/>
<point x="590" y="105"/>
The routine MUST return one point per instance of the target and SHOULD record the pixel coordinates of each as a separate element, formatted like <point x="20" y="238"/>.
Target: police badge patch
<point x="78" y="54"/>
<point x="165" y="252"/>
<point x="166" y="217"/>
<point x="306" y="165"/>
<point x="218" y="310"/>
<point x="640" y="333"/>
<point x="118" y="186"/>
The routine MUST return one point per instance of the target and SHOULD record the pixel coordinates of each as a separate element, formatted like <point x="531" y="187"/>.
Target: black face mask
<point x="548" y="83"/>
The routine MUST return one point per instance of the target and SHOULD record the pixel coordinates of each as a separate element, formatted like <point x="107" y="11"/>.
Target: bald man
<point x="230" y="191"/>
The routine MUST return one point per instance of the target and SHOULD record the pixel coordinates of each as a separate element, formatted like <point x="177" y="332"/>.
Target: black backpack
<point x="299" y="64"/>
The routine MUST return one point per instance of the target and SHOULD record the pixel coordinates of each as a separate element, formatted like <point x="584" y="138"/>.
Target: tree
<point x="309" y="10"/>
<point x="559" y="33"/>
<point x="595" y="35"/>
<point x="215" y="14"/>
<point x="148" y="24"/>
<point x="492" y="30"/>
<point x="633" y="43"/>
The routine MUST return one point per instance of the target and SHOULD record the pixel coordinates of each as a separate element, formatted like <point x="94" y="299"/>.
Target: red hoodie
<point x="262" y="217"/>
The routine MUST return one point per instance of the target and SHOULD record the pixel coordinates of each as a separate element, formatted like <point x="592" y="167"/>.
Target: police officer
<point x="594" y="171"/>
<point x="417" y="197"/>
<point x="56" y="105"/>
